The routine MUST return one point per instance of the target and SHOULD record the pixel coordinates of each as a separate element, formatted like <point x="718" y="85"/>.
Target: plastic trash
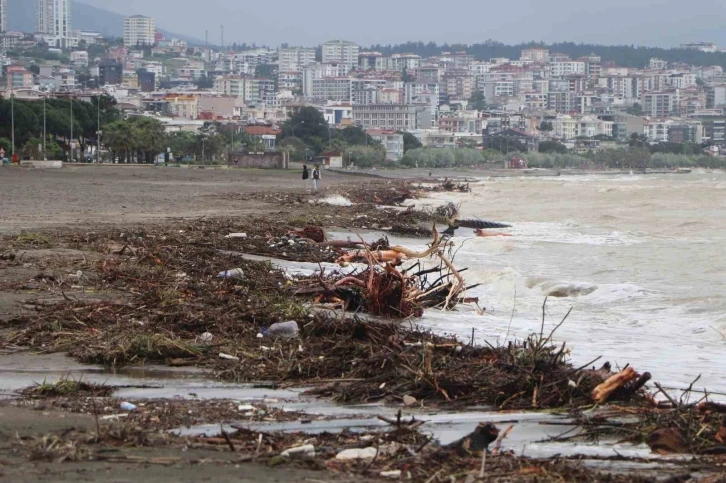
<point x="222" y="355"/>
<point x="206" y="337"/>
<point x="237" y="235"/>
<point x="235" y="273"/>
<point x="393" y="474"/>
<point x="299" y="452"/>
<point x="286" y="330"/>
<point x="357" y="454"/>
<point x="127" y="406"/>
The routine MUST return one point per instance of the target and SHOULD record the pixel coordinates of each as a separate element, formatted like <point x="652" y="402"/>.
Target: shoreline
<point x="99" y="251"/>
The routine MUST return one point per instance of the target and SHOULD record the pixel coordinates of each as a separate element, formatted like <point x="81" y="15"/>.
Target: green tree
<point x="635" y="110"/>
<point x="310" y="126"/>
<point x="410" y="141"/>
<point x="120" y="138"/>
<point x="546" y="126"/>
<point x="552" y="147"/>
<point x="477" y="101"/>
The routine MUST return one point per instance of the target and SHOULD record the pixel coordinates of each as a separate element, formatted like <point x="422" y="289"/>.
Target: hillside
<point x="84" y="17"/>
<point x="622" y="55"/>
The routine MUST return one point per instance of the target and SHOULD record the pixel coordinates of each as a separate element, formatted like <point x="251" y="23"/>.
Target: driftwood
<point x="384" y="289"/>
<point x="603" y="391"/>
<point x="484" y="233"/>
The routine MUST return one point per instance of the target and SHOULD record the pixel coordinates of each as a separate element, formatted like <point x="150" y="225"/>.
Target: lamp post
<point x="296" y="125"/>
<point x="12" y="121"/>
<point x="45" y="155"/>
<point x="98" y="132"/>
<point x="72" y="145"/>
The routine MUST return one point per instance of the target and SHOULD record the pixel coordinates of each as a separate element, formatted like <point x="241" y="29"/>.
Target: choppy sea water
<point x="641" y="260"/>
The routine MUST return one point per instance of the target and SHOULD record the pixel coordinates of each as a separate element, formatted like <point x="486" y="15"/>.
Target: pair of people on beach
<point x="315" y="175"/>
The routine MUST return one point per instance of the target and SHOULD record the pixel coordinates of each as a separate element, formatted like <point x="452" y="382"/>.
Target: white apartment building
<point x="79" y="58"/>
<point x="3" y="16"/>
<point x="478" y="68"/>
<point x="660" y="103"/>
<point x="535" y="55"/>
<point x="562" y="69"/>
<point x="403" y="61"/>
<point x="400" y="117"/>
<point x="341" y="51"/>
<point x="295" y="58"/>
<point x="155" y="67"/>
<point x="230" y="86"/>
<point x="658" y="64"/>
<point x="54" y="17"/>
<point x="392" y="141"/>
<point x="682" y="80"/>
<point x="139" y="30"/>
<point x="318" y="71"/>
<point x="336" y="89"/>
<point x="716" y="96"/>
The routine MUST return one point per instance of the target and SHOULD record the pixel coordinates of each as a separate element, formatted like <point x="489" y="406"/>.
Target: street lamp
<point x="72" y="145"/>
<point x="296" y="125"/>
<point x="45" y="153"/>
<point x="98" y="132"/>
<point x="12" y="120"/>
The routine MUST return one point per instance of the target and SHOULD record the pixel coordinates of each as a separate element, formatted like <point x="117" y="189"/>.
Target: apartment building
<point x="54" y="18"/>
<point x="562" y="69"/>
<point x="3" y="16"/>
<point x="660" y="103"/>
<point x="341" y="51"/>
<point x="716" y="96"/>
<point x="234" y="86"/>
<point x="391" y="140"/>
<point x="336" y="89"/>
<point x="399" y="117"/>
<point x="18" y="78"/>
<point x="295" y="58"/>
<point x="535" y="55"/>
<point x="139" y="30"/>
<point x="79" y="58"/>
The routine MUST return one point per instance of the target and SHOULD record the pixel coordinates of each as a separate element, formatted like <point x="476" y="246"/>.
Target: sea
<point x="640" y="260"/>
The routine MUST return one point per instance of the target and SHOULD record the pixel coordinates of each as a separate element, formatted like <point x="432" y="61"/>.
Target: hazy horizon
<point x="648" y="23"/>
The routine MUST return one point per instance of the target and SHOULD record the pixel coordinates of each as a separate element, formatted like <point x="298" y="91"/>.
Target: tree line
<point x="622" y="55"/>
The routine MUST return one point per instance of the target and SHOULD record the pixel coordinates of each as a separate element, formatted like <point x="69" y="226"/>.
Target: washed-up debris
<point x="127" y="406"/>
<point x="235" y="273"/>
<point x="287" y="330"/>
<point x="306" y="451"/>
<point x="357" y="454"/>
<point x="236" y="235"/>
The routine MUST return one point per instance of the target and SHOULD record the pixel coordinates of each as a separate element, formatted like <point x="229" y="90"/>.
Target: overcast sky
<point x="309" y="22"/>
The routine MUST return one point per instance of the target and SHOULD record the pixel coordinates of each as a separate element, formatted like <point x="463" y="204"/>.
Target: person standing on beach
<point x="316" y="177"/>
<point x="305" y="175"/>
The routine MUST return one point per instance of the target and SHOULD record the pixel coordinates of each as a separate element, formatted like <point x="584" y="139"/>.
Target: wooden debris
<point x="601" y="393"/>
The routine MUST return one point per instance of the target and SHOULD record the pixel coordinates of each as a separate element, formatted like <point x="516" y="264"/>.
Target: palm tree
<point x="120" y="138"/>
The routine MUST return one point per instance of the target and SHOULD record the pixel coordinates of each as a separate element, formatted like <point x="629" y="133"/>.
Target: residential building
<point x="139" y="30"/>
<point x="370" y="61"/>
<point x="562" y="69"/>
<point x="658" y="64"/>
<point x="295" y="58"/>
<point x="702" y="46"/>
<point x="624" y="125"/>
<point x="130" y="80"/>
<point x="399" y="117"/>
<point x="110" y="72"/>
<point x="3" y="16"/>
<point x="19" y="78"/>
<point x="79" y="58"/>
<point x="656" y="129"/>
<point x="234" y="86"/>
<point x="682" y="80"/>
<point x="146" y="80"/>
<point x="716" y="96"/>
<point x="338" y="114"/>
<point x="336" y="89"/>
<point x="660" y="103"/>
<point x="686" y="133"/>
<point x="342" y="52"/>
<point x="391" y="140"/>
<point x="390" y="96"/>
<point x="54" y="18"/>
<point x="535" y="55"/>
<point x="183" y="105"/>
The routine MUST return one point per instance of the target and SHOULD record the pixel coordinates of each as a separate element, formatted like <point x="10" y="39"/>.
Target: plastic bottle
<point x="127" y="406"/>
<point x="235" y="273"/>
<point x="286" y="330"/>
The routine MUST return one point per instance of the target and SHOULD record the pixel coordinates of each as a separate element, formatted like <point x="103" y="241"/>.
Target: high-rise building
<point x="342" y="52"/>
<point x="54" y="18"/>
<point x="295" y="58"/>
<point x="3" y="16"/>
<point x="139" y="30"/>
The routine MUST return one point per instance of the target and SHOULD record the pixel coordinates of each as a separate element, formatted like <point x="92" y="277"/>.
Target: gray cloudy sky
<point x="308" y="22"/>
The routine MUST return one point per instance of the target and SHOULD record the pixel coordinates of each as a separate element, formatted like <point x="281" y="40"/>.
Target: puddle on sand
<point x="151" y="382"/>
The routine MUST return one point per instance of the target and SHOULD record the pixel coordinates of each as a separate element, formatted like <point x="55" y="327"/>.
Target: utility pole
<point x="45" y="136"/>
<point x="12" y="120"/>
<point x="222" y="28"/>
<point x="72" y="145"/>
<point x="98" y="132"/>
